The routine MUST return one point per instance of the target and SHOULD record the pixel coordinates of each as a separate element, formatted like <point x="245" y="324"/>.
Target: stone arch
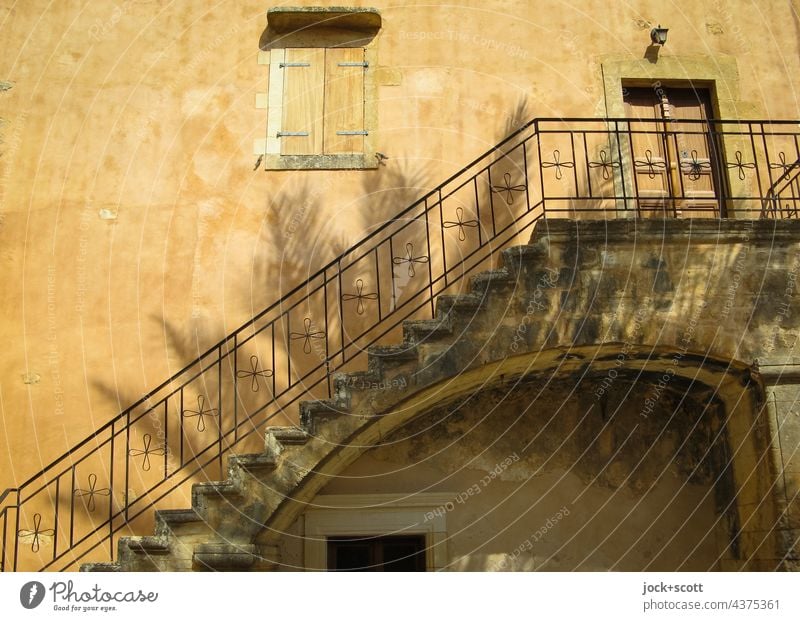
<point x="731" y="386"/>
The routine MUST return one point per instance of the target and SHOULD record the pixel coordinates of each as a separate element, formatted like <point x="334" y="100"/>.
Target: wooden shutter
<point x="303" y="91"/>
<point x="344" y="100"/>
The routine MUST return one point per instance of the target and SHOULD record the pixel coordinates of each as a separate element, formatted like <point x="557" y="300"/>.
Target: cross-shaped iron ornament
<point x="306" y="335"/>
<point x="146" y="451"/>
<point x="605" y="164"/>
<point x="741" y="165"/>
<point x="255" y="372"/>
<point x="410" y="259"/>
<point x="359" y="296"/>
<point x="460" y="223"/>
<point x="651" y="165"/>
<point x="37" y="532"/>
<point x="782" y="164"/>
<point x="90" y="493"/>
<point x="693" y="167"/>
<point x="508" y="188"/>
<point x="558" y="164"/>
<point x="200" y="413"/>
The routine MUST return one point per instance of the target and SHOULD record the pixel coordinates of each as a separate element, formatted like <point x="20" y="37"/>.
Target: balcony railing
<point x="782" y="197"/>
<point x="76" y="508"/>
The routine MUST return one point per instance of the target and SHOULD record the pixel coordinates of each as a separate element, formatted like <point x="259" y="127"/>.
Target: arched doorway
<point x="613" y="467"/>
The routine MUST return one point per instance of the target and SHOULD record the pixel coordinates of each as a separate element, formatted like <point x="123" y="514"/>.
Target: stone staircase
<point x="220" y="530"/>
<point x="581" y="299"/>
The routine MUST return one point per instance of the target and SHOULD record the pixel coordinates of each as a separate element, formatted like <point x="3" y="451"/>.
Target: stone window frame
<point x="293" y="27"/>
<point x="378" y="515"/>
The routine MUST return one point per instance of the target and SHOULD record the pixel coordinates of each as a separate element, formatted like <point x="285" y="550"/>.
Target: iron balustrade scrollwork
<point x="694" y="167"/>
<point x="461" y="224"/>
<point x="359" y="296"/>
<point x="653" y="166"/>
<point x="508" y="188"/>
<point x="594" y="168"/>
<point x="307" y="335"/>
<point x="607" y="164"/>
<point x="558" y="165"/>
<point x="741" y="166"/>
<point x="91" y="492"/>
<point x="783" y="197"/>
<point x="146" y="451"/>
<point x="201" y="413"/>
<point x="36" y="533"/>
<point x="410" y="259"/>
<point x="256" y="373"/>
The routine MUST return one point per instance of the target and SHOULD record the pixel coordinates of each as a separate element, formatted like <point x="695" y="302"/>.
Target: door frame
<point x="674" y="179"/>
<point x="718" y="74"/>
<point x="377" y="514"/>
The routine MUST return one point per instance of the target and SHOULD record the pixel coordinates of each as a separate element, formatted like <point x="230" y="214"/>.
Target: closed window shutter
<point x="344" y="100"/>
<point x="303" y="93"/>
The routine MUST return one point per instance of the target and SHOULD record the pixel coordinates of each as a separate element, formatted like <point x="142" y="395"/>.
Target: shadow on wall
<point x="298" y="238"/>
<point x="389" y="190"/>
<point x="518" y="116"/>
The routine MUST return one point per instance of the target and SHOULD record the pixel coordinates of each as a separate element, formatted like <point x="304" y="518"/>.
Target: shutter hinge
<point x="281" y="134"/>
<point x="354" y="132"/>
<point x="282" y="65"/>
<point x="365" y="64"/>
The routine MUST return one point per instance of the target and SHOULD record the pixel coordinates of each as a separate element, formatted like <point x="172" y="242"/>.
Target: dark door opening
<point x="390" y="553"/>
<point x="675" y="152"/>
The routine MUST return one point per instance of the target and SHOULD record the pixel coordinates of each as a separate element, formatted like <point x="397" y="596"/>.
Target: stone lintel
<point x="291" y="19"/>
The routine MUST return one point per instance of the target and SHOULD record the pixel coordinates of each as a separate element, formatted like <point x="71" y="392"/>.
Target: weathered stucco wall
<point x="135" y="230"/>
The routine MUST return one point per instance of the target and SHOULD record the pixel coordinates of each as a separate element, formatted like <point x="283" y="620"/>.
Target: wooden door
<point x="674" y="165"/>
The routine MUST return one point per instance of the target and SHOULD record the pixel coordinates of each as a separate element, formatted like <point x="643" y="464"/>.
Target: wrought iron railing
<point x="76" y="508"/>
<point x="783" y="197"/>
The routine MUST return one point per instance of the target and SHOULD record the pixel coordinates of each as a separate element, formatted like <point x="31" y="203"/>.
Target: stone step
<point x="100" y="567"/>
<point x="311" y="412"/>
<point x="251" y="463"/>
<point x="169" y="521"/>
<point x="204" y="493"/>
<point x="458" y="303"/>
<point x="146" y="545"/>
<point x="224" y="557"/>
<point x="288" y="435"/>
<point x="416" y="331"/>
<point x="491" y="281"/>
<point x="278" y="439"/>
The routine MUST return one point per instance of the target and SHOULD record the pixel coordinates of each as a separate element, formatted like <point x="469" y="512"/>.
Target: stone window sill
<point x="342" y="161"/>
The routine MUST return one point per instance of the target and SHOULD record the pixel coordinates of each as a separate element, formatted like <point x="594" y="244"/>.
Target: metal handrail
<point x="547" y="167"/>
<point x="277" y="304"/>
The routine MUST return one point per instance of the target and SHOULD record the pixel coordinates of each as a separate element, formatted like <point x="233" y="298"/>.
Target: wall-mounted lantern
<point x="659" y="35"/>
